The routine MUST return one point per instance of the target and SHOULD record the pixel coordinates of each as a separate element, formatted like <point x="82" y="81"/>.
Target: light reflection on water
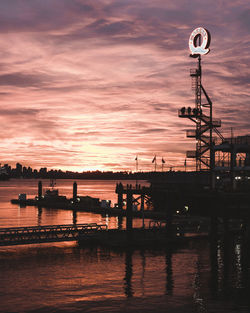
<point x="57" y="276"/>
<point x="12" y="215"/>
<point x="63" y="277"/>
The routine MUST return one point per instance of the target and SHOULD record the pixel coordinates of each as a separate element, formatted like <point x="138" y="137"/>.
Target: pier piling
<point x="119" y="191"/>
<point x="74" y="192"/>
<point x="142" y="209"/>
<point x="40" y="190"/>
<point x="129" y="213"/>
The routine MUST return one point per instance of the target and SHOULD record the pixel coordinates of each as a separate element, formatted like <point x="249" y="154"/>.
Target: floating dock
<point x="134" y="194"/>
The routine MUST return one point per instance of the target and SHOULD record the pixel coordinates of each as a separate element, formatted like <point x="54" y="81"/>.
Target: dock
<point x="93" y="234"/>
<point x="127" y="195"/>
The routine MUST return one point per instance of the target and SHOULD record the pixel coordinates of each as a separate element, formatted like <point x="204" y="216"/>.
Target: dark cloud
<point x="37" y="16"/>
<point x="23" y="80"/>
<point x="103" y="27"/>
<point x="19" y="112"/>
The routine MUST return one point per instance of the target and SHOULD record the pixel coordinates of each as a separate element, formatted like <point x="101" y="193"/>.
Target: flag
<point x="154" y="159"/>
<point x="136" y="158"/>
<point x="162" y="160"/>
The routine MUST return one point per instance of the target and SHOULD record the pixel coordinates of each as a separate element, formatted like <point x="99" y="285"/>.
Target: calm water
<point x="65" y="278"/>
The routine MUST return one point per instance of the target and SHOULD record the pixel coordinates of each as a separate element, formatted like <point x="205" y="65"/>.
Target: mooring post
<point x="142" y="209"/>
<point x="129" y="213"/>
<point x="74" y="192"/>
<point x="40" y="190"/>
<point x="119" y="189"/>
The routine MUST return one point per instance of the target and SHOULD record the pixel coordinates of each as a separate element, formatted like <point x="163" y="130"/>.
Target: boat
<point x="52" y="195"/>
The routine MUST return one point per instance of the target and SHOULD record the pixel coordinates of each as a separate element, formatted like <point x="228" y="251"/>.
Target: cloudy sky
<point x="89" y="84"/>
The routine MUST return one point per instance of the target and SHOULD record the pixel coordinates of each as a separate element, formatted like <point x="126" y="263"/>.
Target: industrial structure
<point x="214" y="154"/>
<point x="202" y="113"/>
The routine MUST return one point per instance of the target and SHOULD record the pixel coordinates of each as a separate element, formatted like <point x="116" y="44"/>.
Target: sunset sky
<point x="88" y="85"/>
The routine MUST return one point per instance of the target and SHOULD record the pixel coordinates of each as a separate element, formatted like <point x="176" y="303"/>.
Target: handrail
<point x="52" y="227"/>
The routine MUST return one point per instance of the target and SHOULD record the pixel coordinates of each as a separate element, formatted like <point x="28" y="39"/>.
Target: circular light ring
<point x="205" y="41"/>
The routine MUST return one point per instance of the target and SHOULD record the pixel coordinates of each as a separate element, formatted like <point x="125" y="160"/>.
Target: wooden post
<point x="119" y="191"/>
<point x="40" y="190"/>
<point x="74" y="192"/>
<point x="232" y="165"/>
<point x="129" y="217"/>
<point x="142" y="209"/>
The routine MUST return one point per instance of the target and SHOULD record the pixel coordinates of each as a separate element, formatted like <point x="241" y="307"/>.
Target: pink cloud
<point x="88" y="84"/>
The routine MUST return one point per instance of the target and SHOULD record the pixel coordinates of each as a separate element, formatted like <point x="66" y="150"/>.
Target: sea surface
<point x="63" y="277"/>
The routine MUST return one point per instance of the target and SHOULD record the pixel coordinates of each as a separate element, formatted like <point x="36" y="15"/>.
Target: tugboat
<point x="51" y="193"/>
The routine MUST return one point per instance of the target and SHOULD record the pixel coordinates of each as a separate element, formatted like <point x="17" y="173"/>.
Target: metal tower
<point x="202" y="113"/>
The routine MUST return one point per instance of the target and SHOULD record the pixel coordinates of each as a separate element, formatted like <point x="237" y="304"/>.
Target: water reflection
<point x="169" y="273"/>
<point x="238" y="266"/>
<point x="215" y="259"/>
<point x="197" y="285"/>
<point x="74" y="216"/>
<point x="128" y="274"/>
<point x="143" y="265"/>
<point x="229" y="268"/>
<point x="39" y="215"/>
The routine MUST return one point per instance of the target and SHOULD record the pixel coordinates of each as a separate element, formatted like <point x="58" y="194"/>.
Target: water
<point x="63" y="277"/>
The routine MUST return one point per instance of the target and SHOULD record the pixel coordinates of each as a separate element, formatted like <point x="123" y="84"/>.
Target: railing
<point x="135" y="189"/>
<point x="50" y="233"/>
<point x="189" y="112"/>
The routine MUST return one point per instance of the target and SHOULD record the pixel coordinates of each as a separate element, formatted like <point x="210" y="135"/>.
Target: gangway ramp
<point x="49" y="233"/>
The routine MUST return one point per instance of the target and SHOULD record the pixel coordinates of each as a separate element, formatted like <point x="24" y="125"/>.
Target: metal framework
<point x="51" y="233"/>
<point x="202" y="116"/>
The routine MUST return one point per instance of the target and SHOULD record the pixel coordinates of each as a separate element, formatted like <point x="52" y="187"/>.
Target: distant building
<point x="19" y="168"/>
